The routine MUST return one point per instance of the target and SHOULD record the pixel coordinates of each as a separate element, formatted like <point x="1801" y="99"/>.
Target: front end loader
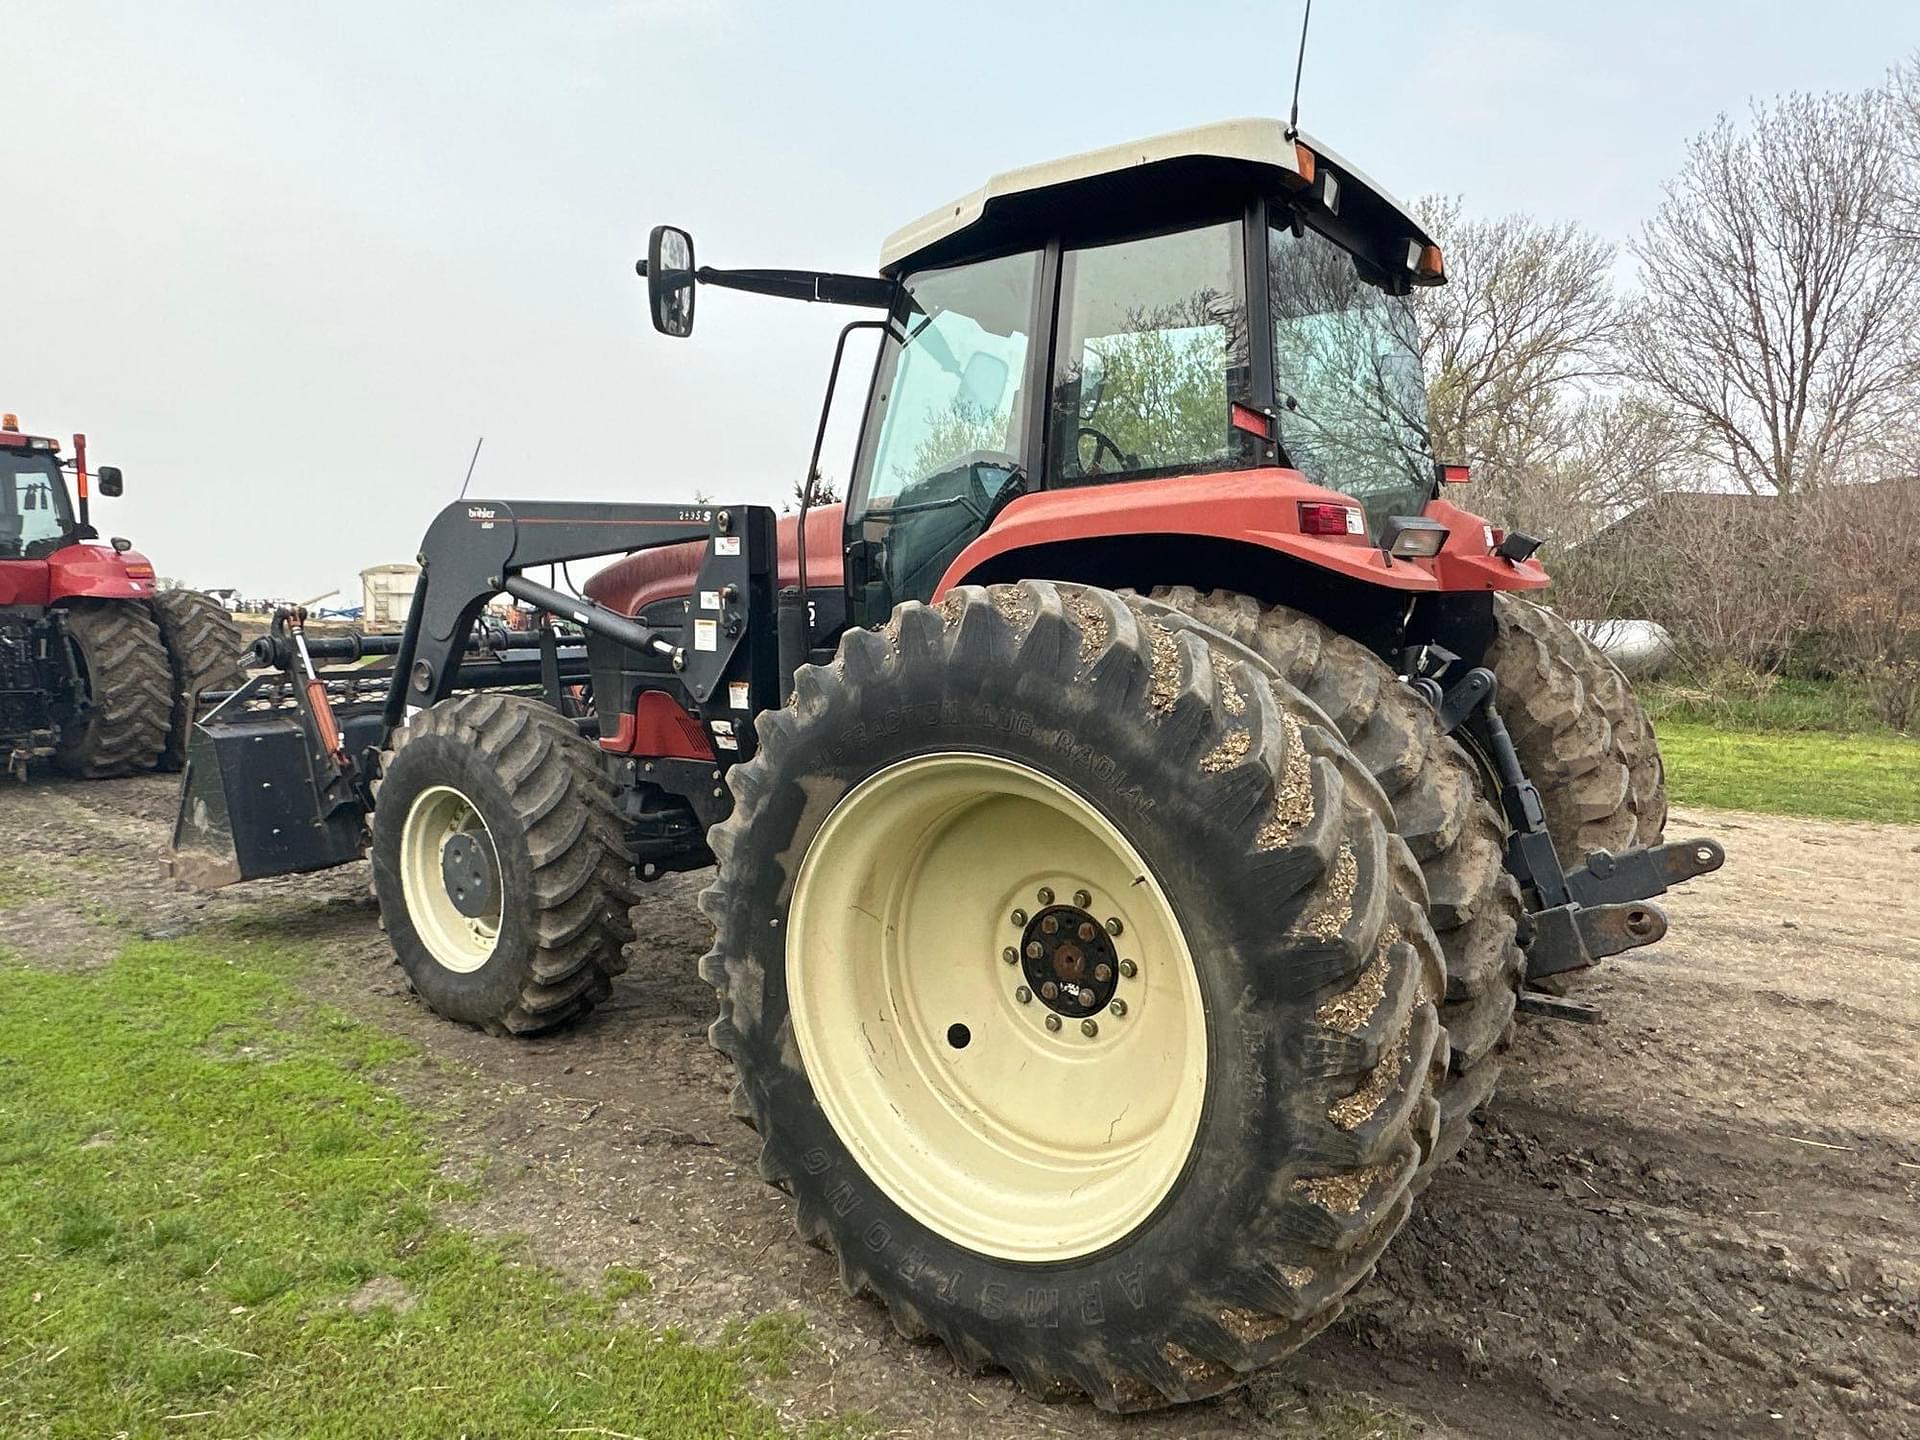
<point x="1137" y="813"/>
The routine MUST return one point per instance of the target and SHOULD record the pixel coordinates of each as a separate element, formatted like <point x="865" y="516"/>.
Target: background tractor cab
<point x="45" y="554"/>
<point x="1222" y="314"/>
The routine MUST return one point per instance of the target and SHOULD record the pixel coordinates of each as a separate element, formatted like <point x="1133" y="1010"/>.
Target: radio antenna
<point x="470" y="464"/>
<point x="1293" y="116"/>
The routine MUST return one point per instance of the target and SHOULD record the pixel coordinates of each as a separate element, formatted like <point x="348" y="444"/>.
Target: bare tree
<point x="1902" y="218"/>
<point x="1775" y="311"/>
<point x="1524" y="327"/>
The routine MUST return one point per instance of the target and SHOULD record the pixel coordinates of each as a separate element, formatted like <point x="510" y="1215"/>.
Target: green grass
<point x="1782" y="705"/>
<point x="1814" y="773"/>
<point x="193" y="1185"/>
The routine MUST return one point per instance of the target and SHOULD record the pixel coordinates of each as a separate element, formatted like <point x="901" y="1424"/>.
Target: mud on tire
<point x="1437" y="807"/>
<point x="1581" y="733"/>
<point x="203" y="653"/>
<point x="1305" y="921"/>
<point x="125" y="664"/>
<point x="565" y="884"/>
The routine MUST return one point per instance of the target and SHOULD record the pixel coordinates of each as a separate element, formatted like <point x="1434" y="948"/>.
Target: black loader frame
<point x="281" y="773"/>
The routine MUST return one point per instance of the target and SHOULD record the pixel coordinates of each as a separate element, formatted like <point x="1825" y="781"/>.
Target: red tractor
<point x="1136" y="814"/>
<point x="98" y="668"/>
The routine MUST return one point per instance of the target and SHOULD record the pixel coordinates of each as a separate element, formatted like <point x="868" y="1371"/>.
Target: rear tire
<point x="125" y="665"/>
<point x="1581" y="734"/>
<point x="1076" y="743"/>
<point x="203" y="652"/>
<point x="503" y="792"/>
<point x="1437" y="808"/>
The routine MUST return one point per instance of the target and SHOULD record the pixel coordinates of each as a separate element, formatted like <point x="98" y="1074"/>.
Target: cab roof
<point x="1165" y="176"/>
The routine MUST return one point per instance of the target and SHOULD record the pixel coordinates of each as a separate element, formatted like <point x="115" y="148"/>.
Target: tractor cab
<point x="1224" y="299"/>
<point x="1228" y="298"/>
<point x="41" y="525"/>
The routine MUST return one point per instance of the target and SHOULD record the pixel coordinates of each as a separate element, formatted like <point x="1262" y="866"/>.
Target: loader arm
<point x="279" y="775"/>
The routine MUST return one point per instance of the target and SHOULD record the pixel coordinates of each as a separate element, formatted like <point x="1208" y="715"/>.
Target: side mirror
<point x="670" y="280"/>
<point x="111" y="485"/>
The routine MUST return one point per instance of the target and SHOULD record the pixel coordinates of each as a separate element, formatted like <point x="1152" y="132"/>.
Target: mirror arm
<point x="811" y="285"/>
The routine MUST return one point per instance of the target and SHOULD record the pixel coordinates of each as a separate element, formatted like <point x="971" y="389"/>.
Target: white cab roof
<point x="1254" y="142"/>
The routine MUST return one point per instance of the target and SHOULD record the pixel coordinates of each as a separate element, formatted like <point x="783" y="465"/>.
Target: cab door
<point x="950" y="432"/>
<point x="33" y="523"/>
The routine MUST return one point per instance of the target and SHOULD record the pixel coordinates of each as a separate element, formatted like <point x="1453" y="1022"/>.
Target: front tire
<point x="503" y="882"/>
<point x="1147" y="1211"/>
<point x="125" y="665"/>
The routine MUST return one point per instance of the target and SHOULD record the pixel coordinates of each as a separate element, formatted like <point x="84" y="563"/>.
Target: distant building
<point x="386" y="594"/>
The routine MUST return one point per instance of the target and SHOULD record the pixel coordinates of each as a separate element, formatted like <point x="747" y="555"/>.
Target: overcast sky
<point x="285" y="262"/>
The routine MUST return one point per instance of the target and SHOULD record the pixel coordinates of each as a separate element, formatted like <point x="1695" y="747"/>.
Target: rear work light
<point x="1412" y="537"/>
<point x="1321" y="517"/>
<point x="1453" y="474"/>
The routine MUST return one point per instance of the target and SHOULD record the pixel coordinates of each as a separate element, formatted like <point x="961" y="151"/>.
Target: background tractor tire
<point x="515" y="778"/>
<point x="1583" y="736"/>
<point x="1282" y="953"/>
<point x="1438" y="808"/>
<point x="126" y="669"/>
<point x="203" y="652"/>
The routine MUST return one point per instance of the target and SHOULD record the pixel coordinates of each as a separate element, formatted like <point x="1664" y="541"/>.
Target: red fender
<point x="1252" y="507"/>
<point x="84" y="571"/>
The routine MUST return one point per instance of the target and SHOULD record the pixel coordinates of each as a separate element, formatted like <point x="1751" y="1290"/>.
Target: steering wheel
<point x="1102" y="442"/>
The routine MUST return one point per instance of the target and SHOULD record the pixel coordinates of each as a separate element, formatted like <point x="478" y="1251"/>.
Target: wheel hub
<point x="1069" y="961"/>
<point x="466" y="869"/>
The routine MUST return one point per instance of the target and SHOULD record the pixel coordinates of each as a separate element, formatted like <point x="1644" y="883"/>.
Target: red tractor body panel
<point x="23" y="582"/>
<point x="1253" y="507"/>
<point x="98" y="572"/>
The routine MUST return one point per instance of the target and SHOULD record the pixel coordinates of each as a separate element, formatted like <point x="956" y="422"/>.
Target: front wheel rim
<point x="442" y="817"/>
<point x="936" y="903"/>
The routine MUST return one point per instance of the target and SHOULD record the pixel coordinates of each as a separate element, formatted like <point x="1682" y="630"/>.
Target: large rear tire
<point x="503" y="882"/>
<point x="1582" y="735"/>
<point x="203" y="653"/>
<point x="125" y="666"/>
<point x="1438" y="809"/>
<point x="1146" y="1201"/>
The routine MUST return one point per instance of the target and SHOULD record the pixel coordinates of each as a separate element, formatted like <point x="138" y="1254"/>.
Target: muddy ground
<point x="1700" y="1218"/>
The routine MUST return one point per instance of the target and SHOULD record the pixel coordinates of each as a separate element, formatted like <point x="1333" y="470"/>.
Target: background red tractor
<point x="98" y="667"/>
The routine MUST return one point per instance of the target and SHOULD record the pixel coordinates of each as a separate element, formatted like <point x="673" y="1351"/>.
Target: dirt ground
<point x="1700" y="1218"/>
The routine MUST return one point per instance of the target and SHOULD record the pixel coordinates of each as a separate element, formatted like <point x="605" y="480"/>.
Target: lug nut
<point x="1049" y="991"/>
<point x="1053" y="1021"/>
<point x="1045" y="896"/>
<point x="1051" y="925"/>
<point x="1082" y="899"/>
<point x="1128" y="969"/>
<point x="1089" y="1028"/>
<point x="1114" y="927"/>
<point x="1010" y="955"/>
<point x="1119" y="1009"/>
<point x="1019" y="917"/>
<point x="1103" y="973"/>
<point x="1023" y="995"/>
<point x="1033" y="950"/>
<point x="1086" y="930"/>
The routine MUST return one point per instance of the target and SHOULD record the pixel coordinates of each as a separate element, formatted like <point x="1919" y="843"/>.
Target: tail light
<point x="1321" y="517"/>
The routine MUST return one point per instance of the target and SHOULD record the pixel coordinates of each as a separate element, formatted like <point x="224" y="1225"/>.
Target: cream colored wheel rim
<point x="1009" y="1138"/>
<point x="461" y="943"/>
